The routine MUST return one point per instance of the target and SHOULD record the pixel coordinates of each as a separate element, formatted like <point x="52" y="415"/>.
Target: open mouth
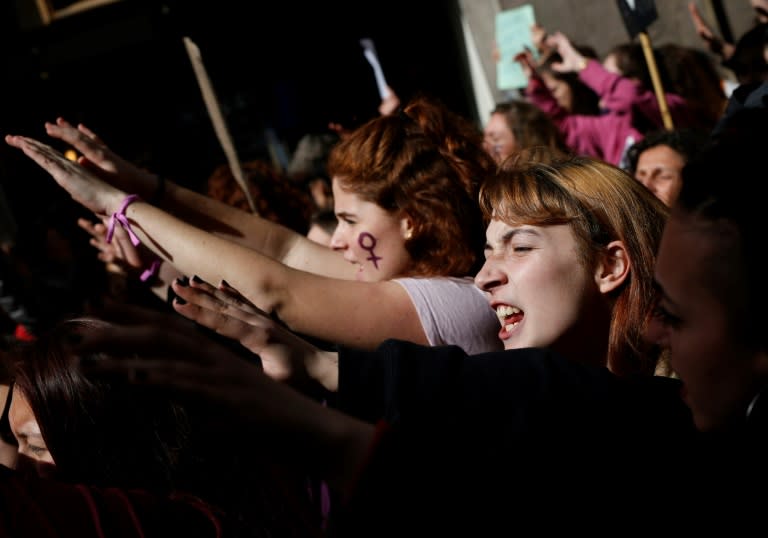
<point x="509" y="316"/>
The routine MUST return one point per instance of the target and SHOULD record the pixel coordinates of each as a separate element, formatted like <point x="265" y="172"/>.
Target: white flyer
<point x="369" y="51"/>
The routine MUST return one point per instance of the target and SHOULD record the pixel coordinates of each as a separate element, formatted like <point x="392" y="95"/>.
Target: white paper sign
<point x="369" y="51"/>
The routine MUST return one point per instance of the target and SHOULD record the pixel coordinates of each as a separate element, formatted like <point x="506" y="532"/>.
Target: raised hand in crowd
<point x="714" y="43"/>
<point x="284" y="355"/>
<point x="571" y="59"/>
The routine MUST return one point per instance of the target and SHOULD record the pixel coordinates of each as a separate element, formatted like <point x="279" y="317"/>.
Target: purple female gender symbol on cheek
<point x="369" y="246"/>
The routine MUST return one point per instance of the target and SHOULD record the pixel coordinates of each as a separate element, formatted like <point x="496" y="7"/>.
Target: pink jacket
<point x="606" y="136"/>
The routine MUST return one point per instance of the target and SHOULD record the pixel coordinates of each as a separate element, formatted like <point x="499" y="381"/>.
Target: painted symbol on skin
<point x="369" y="246"/>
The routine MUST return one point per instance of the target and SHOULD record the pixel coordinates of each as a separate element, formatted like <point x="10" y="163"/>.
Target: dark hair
<point x="693" y="76"/>
<point x="601" y="203"/>
<point x="686" y="142"/>
<point x="530" y="125"/>
<point x="585" y="99"/>
<point x="275" y="197"/>
<point x="724" y="192"/>
<point x="111" y="433"/>
<point x="99" y="433"/>
<point x="630" y="60"/>
<point x="325" y="218"/>
<point x="425" y="162"/>
<point x="748" y="60"/>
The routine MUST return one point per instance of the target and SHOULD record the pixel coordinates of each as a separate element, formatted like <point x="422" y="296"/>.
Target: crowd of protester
<point x="420" y="326"/>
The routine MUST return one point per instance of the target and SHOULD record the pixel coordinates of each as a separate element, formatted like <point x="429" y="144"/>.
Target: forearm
<point x="165" y="275"/>
<point x="331" y="443"/>
<point x="226" y="221"/>
<point x="188" y="250"/>
<point x="616" y="92"/>
<point x="252" y="231"/>
<point x="335" y="310"/>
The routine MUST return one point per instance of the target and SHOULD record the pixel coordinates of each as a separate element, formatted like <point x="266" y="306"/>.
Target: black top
<point x="506" y="439"/>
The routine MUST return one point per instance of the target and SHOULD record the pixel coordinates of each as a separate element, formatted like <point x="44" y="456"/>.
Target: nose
<point x="490" y="276"/>
<point x="338" y="241"/>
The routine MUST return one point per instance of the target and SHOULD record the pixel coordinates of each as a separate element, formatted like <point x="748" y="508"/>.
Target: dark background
<point x="122" y="70"/>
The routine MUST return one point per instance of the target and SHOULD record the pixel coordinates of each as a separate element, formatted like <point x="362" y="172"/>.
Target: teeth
<point x="509" y="326"/>
<point x="506" y="311"/>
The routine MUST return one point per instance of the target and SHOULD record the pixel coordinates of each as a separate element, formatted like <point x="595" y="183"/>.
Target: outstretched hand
<point x="164" y="351"/>
<point x="390" y="103"/>
<point x="284" y="355"/>
<point x="160" y="349"/>
<point x="713" y="42"/>
<point x="539" y="38"/>
<point x="84" y="187"/>
<point x="101" y="160"/>
<point x="527" y="63"/>
<point x="120" y="251"/>
<point x="572" y="59"/>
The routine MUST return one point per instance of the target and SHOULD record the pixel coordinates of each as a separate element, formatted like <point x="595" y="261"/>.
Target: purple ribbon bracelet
<point x="119" y="217"/>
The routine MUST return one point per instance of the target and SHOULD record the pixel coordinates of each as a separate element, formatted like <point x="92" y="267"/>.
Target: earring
<point x="408" y="234"/>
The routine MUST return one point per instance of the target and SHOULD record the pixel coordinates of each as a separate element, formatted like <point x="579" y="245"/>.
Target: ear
<point x="613" y="267"/>
<point x="406" y="227"/>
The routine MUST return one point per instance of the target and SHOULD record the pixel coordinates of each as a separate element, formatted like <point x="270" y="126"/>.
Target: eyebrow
<point x="346" y="214"/>
<point x="28" y="430"/>
<point x="510" y="234"/>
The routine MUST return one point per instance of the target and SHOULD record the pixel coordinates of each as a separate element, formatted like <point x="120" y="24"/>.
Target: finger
<point x="173" y="375"/>
<point x="212" y="319"/>
<point x="92" y="149"/>
<point x="90" y="134"/>
<point x="87" y="225"/>
<point x="239" y="299"/>
<point x="212" y="293"/>
<point x="138" y="331"/>
<point x="85" y="162"/>
<point x="132" y="315"/>
<point x="143" y="370"/>
<point x="252" y="337"/>
<point x="178" y="378"/>
<point x="208" y="298"/>
<point x="125" y="249"/>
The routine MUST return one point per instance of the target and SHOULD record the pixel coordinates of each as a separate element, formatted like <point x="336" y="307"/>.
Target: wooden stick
<point x="658" y="88"/>
<point x="217" y="118"/>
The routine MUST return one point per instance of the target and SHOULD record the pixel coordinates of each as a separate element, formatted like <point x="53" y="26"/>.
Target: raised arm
<point x="714" y="43"/>
<point x="163" y="353"/>
<point x="220" y="219"/>
<point x="359" y="314"/>
<point x="284" y="355"/>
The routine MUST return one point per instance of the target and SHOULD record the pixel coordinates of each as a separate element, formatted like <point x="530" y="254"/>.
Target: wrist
<point x="323" y="367"/>
<point x="113" y="201"/>
<point x="582" y="63"/>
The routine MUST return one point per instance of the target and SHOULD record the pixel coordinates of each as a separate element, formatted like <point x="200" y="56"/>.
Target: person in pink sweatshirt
<point x="628" y="108"/>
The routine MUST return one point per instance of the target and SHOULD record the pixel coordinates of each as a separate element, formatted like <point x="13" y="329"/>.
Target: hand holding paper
<point x="513" y="36"/>
<point x="369" y="51"/>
